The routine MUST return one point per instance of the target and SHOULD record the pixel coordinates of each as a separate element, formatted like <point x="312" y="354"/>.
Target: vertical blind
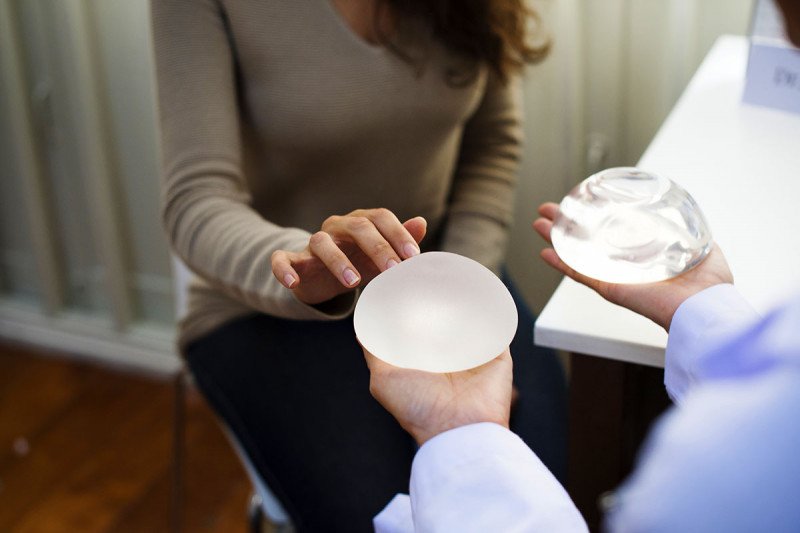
<point x="83" y="263"/>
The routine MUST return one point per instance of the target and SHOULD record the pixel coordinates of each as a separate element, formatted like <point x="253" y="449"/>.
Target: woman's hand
<point x="656" y="301"/>
<point x="348" y="251"/>
<point x="426" y="404"/>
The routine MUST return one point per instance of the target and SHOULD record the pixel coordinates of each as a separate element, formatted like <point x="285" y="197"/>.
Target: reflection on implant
<point x="624" y="225"/>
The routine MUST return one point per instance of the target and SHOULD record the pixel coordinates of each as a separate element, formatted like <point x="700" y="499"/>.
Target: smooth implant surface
<point x="438" y="312"/>
<point x="624" y="225"/>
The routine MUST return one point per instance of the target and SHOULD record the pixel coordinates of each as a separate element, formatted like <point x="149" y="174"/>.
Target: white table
<point x="742" y="165"/>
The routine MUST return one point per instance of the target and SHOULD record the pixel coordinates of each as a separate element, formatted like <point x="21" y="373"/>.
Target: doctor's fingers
<point x="544" y="224"/>
<point x="548" y="210"/>
<point x="543" y="227"/>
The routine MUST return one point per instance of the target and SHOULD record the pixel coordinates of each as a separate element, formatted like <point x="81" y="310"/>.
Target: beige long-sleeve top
<point x="275" y="115"/>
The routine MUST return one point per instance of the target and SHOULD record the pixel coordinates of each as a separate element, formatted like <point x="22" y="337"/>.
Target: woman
<point x="308" y="146"/>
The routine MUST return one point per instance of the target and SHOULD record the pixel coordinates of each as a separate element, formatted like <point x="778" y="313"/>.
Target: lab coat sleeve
<point x="481" y="477"/>
<point x="395" y="517"/>
<point x="726" y="459"/>
<point x="701" y="323"/>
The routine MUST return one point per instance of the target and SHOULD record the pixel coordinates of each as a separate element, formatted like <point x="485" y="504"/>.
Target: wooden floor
<point x="90" y="449"/>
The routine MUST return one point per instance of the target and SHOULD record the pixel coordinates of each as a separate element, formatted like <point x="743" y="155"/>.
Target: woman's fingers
<point x="322" y="245"/>
<point x="378" y="233"/>
<point x="282" y="269"/>
<point x="395" y="233"/>
<point x="417" y="227"/>
<point x="376" y="245"/>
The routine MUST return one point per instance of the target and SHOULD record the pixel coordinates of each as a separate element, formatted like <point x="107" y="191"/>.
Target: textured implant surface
<point x="438" y="312"/>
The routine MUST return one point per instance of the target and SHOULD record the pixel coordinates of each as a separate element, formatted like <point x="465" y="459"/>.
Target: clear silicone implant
<point x="624" y="225"/>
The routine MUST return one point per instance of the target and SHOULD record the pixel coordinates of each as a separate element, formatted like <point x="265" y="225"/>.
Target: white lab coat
<point x="726" y="458"/>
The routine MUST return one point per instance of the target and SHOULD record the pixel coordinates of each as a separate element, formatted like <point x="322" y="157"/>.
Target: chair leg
<point x="255" y="514"/>
<point x="178" y="449"/>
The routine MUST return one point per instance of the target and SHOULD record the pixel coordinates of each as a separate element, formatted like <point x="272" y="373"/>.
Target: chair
<point x="263" y="503"/>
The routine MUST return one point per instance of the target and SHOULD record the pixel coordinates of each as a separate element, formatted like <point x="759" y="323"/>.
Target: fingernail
<point x="391" y="263"/>
<point x="350" y="277"/>
<point x="288" y="280"/>
<point x="410" y="250"/>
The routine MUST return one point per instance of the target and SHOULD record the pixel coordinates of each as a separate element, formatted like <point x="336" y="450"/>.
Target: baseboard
<point x="144" y="348"/>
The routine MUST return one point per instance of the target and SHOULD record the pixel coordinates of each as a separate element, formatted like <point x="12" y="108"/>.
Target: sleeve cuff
<point x="395" y="517"/>
<point x="700" y="323"/>
<point x="464" y="444"/>
<point x="483" y="477"/>
<point x="334" y="309"/>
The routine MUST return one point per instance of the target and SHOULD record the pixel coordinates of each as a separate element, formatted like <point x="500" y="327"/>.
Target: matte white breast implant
<point x="438" y="312"/>
<point x="623" y="225"/>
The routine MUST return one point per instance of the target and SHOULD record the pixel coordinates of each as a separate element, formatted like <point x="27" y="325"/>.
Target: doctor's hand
<point x="347" y="251"/>
<point x="426" y="404"/>
<point x="656" y="301"/>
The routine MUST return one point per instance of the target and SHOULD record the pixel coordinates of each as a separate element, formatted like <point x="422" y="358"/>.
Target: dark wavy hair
<point x="489" y="31"/>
